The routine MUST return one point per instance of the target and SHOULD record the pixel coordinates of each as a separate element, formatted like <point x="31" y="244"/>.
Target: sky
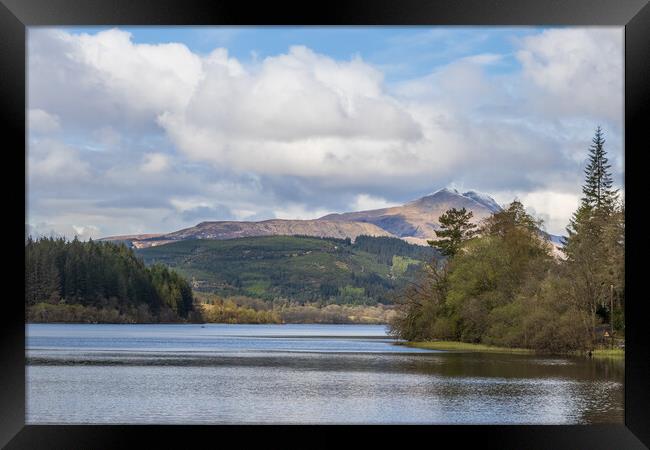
<point x="153" y="129"/>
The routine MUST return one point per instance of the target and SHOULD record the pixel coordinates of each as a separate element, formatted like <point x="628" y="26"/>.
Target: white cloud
<point x="579" y="71"/>
<point x="148" y="77"/>
<point x="300" y="211"/>
<point x="482" y="58"/>
<point x="300" y="113"/>
<point x="154" y="163"/>
<point x="363" y="202"/>
<point x="56" y="230"/>
<point x="55" y="161"/>
<point x="95" y="78"/>
<point x="305" y="114"/>
<point x="189" y="203"/>
<point x="83" y="230"/>
<point x="243" y="214"/>
<point x="40" y="121"/>
<point x="554" y="208"/>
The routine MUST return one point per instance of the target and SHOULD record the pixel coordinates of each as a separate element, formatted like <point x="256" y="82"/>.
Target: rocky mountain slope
<point x="419" y="218"/>
<point x="274" y="227"/>
<point x="414" y="222"/>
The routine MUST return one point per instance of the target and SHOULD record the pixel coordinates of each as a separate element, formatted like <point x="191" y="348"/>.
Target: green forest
<point x="501" y="284"/>
<point x="271" y="279"/>
<point x="73" y="281"/>
<point x="296" y="268"/>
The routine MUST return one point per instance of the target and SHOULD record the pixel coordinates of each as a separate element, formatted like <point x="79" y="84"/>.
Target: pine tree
<point x="101" y="275"/>
<point x="599" y="199"/>
<point x="455" y="229"/>
<point x="597" y="190"/>
<point x="594" y="247"/>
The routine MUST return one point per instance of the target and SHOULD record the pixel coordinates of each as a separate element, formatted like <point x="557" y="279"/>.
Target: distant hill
<point x="415" y="222"/>
<point x="303" y="269"/>
<point x="275" y="227"/>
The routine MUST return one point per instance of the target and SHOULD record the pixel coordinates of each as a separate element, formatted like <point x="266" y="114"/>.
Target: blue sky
<point x="417" y="50"/>
<point x="152" y="129"/>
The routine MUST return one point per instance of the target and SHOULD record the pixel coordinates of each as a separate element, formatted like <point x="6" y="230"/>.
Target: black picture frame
<point x="16" y="15"/>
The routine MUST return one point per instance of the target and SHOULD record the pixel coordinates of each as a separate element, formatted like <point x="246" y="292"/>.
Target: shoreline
<point x="466" y="347"/>
<point x="205" y="323"/>
<point x="484" y="348"/>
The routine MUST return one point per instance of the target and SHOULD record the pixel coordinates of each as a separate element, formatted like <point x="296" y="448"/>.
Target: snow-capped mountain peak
<point x="447" y="190"/>
<point x="483" y="199"/>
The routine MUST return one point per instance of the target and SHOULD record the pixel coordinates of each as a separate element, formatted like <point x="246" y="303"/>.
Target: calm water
<point x="343" y="374"/>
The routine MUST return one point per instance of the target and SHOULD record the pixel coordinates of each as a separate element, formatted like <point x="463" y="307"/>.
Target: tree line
<point x="387" y="247"/>
<point x="242" y="309"/>
<point x="501" y="283"/>
<point x="99" y="281"/>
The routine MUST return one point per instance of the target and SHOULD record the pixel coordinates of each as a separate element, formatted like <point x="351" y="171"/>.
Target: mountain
<point x="414" y="222"/>
<point x="275" y="227"/>
<point x="419" y="218"/>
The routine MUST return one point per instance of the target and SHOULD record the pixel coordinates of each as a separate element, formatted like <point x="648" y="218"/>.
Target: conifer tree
<point x="455" y="229"/>
<point x="599" y="198"/>
<point x="597" y="190"/>
<point x="101" y="275"/>
<point x="594" y="247"/>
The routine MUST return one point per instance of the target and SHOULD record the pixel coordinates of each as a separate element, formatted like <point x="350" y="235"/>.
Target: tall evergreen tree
<point x="455" y="229"/>
<point x="595" y="243"/>
<point x="597" y="190"/>
<point x="599" y="198"/>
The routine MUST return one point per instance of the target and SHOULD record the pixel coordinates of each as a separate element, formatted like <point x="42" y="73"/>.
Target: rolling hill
<point x="304" y="269"/>
<point x="274" y="227"/>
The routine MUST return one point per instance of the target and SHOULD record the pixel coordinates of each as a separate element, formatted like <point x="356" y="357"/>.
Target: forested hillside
<point x="297" y="268"/>
<point x="99" y="282"/>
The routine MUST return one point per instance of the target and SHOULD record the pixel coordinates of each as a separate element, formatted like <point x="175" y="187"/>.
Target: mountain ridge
<point x="415" y="222"/>
<point x="419" y="218"/>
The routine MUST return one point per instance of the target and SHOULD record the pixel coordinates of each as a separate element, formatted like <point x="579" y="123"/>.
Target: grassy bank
<point x="467" y="347"/>
<point x="609" y="353"/>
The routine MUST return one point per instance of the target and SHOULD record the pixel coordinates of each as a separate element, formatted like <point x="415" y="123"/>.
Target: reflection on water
<point x="300" y="374"/>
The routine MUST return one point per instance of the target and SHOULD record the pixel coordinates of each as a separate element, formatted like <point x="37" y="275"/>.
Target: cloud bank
<point x="127" y="137"/>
